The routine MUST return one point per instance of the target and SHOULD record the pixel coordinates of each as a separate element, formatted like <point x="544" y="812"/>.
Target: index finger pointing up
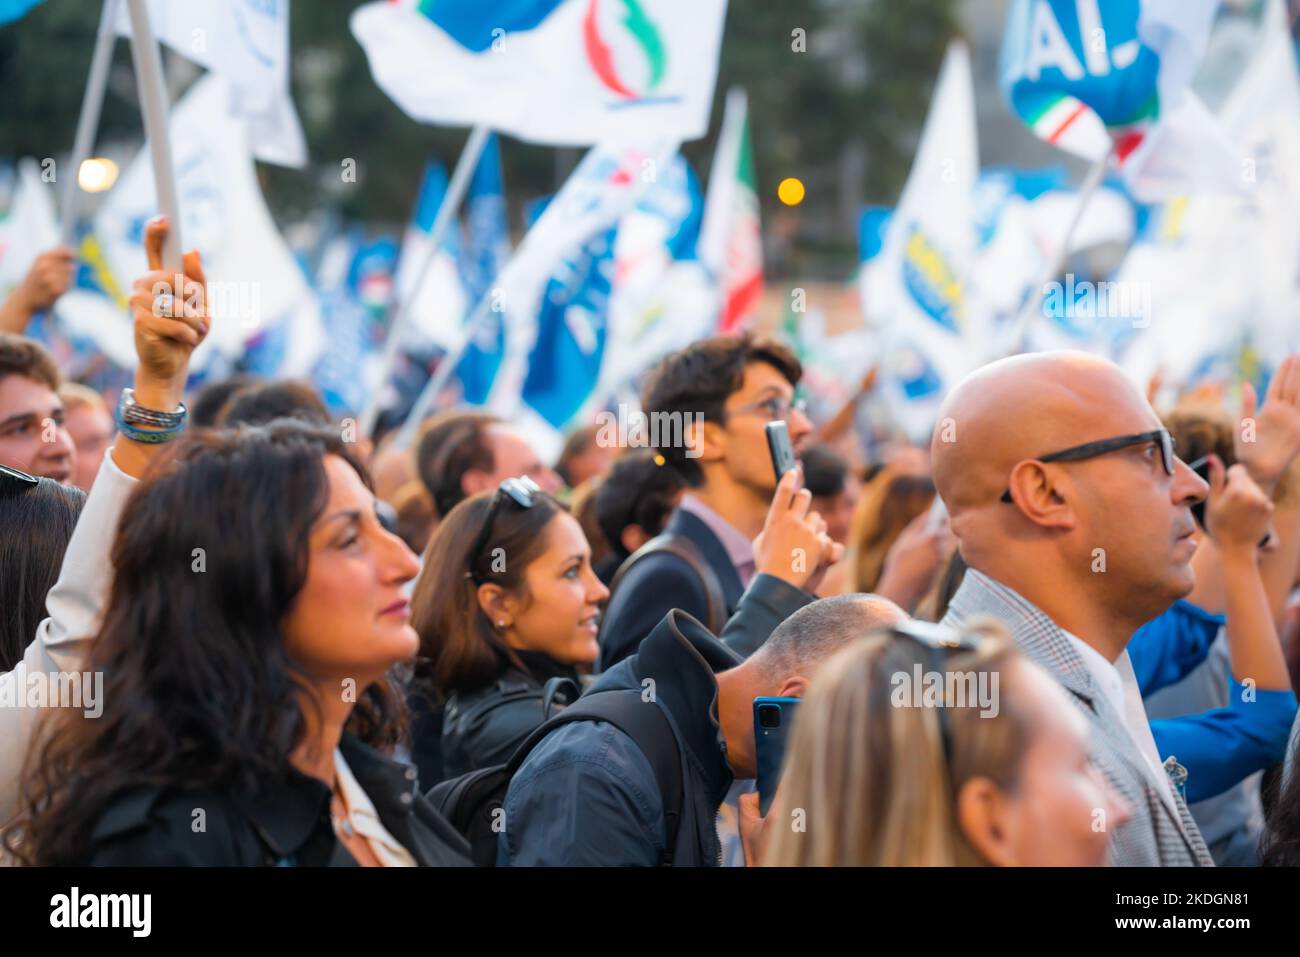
<point x="155" y="232"/>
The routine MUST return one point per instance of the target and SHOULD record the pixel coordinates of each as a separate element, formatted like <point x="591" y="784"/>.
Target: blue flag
<point x="485" y="253"/>
<point x="11" y="10"/>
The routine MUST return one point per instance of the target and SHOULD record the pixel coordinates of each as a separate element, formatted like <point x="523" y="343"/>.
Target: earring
<point x="501" y="622"/>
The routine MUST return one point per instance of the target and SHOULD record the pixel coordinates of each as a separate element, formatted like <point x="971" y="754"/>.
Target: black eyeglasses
<point x="1090" y="450"/>
<point x="14" y="482"/>
<point x="523" y="491"/>
<point x="938" y="642"/>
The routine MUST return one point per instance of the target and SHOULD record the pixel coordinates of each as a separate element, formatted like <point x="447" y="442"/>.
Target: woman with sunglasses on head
<point x="887" y="778"/>
<point x="507" y="607"/>
<point x="254" y="619"/>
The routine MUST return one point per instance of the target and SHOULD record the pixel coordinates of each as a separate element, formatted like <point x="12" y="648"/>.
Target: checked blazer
<point x="1153" y="836"/>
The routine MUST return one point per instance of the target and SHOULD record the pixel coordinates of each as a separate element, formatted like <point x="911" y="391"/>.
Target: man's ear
<point x="1041" y="498"/>
<point x="795" y="686"/>
<point x="710" y="438"/>
<point x="982" y="815"/>
<point x="475" y="481"/>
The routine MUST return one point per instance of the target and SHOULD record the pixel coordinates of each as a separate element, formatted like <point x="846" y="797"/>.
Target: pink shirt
<point x="738" y="548"/>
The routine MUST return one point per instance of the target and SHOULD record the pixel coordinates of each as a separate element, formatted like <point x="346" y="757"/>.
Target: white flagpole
<point x="1086" y="191"/>
<point x="440" y="375"/>
<point x="157" y="125"/>
<point x="88" y="123"/>
<point x="451" y="200"/>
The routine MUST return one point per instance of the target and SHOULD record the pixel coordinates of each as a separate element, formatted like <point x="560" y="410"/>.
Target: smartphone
<point x="937" y="516"/>
<point x="773" y="723"/>
<point x="778" y="444"/>
<point x="1202" y="468"/>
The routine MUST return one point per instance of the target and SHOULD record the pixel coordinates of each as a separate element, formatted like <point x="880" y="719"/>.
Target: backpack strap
<point x="647" y="725"/>
<point x="683" y="548"/>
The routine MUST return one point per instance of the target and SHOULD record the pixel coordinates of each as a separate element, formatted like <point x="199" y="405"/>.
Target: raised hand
<point x="1238" y="512"/>
<point x="170" y="323"/>
<point x="1267" y="442"/>
<point x="793" y="545"/>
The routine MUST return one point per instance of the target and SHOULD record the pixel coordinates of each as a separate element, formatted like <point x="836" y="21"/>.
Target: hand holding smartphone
<point x="773" y="723"/>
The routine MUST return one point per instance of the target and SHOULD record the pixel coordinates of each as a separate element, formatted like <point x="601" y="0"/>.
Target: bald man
<point x="1073" y="515"/>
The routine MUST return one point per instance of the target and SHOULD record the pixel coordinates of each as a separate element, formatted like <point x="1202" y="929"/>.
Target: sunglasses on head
<point x="938" y="643"/>
<point x="523" y="491"/>
<point x="1091" y="450"/>
<point x="14" y="482"/>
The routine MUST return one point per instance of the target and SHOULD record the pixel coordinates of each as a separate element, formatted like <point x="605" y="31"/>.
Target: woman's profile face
<point x="1061" y="812"/>
<point x="351" y="620"/>
<point x="561" y="614"/>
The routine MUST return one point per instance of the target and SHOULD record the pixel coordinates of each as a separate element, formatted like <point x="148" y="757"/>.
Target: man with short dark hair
<point x="587" y="794"/>
<point x="708" y="405"/>
<point x="463" y="452"/>
<point x="32" y="436"/>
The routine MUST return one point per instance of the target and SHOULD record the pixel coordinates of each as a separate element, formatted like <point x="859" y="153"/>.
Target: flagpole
<point x="1086" y="191"/>
<point x="88" y="122"/>
<point x="157" y="126"/>
<point x="440" y="376"/>
<point x="451" y="200"/>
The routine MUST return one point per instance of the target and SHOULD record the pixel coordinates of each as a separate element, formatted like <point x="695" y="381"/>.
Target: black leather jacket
<point x="482" y="728"/>
<point x="286" y="824"/>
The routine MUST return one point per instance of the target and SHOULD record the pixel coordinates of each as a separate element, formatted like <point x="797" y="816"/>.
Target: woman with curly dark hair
<point x="255" y="614"/>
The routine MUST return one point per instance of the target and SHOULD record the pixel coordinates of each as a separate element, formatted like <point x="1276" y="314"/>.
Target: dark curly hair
<point x="199" y="691"/>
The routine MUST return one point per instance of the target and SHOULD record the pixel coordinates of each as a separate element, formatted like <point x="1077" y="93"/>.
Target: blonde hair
<point x="869" y="782"/>
<point x="891" y="500"/>
<point x="74" y="395"/>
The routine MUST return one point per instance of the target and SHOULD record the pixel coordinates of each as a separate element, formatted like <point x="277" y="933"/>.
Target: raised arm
<point x="75" y="603"/>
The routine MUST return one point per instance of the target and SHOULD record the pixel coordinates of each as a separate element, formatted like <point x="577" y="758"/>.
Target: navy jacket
<point x="661" y="582"/>
<point x="587" y="796"/>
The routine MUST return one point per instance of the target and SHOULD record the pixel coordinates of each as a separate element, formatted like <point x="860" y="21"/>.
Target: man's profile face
<point x="1135" y="521"/>
<point x="748" y="459"/>
<point x="91" y="429"/>
<point x="32" y="436"/>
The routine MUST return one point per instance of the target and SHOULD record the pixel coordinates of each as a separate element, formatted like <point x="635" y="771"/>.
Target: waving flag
<point x="915" y="290"/>
<point x="1111" y="77"/>
<point x="11" y="10"/>
<point x="557" y="250"/>
<point x="247" y="41"/>
<point x="564" y="72"/>
<point x="254" y="280"/>
<point x="1247" y="241"/>
<point x="731" y="243"/>
<point x="438" y="307"/>
<point x="662" y="297"/>
<point x="484" y="255"/>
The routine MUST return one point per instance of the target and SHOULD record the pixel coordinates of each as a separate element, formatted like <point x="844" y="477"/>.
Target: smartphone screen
<point x="773" y="723"/>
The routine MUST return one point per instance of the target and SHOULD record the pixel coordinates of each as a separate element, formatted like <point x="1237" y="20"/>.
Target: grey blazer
<point x="1153" y="836"/>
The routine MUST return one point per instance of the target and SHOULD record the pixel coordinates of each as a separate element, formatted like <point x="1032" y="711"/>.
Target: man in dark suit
<point x="707" y="407"/>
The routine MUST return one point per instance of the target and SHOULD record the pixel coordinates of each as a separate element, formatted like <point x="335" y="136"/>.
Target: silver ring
<point x="163" y="304"/>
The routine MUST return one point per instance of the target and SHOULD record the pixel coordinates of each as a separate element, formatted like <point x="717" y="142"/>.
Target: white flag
<point x="564" y="72"/>
<point x="247" y="41"/>
<point x="254" y="280"/>
<point x="915" y="290"/>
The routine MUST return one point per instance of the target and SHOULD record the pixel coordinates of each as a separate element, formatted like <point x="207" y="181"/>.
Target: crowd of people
<point x="236" y="633"/>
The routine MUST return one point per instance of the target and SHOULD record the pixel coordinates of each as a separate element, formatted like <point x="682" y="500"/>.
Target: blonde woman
<point x="879" y="774"/>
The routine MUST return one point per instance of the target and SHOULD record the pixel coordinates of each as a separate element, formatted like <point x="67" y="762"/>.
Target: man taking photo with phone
<point x="726" y="390"/>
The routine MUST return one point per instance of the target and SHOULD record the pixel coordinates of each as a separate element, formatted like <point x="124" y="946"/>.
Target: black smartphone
<point x="773" y="723"/>
<point x="1202" y="468"/>
<point x="778" y="444"/>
